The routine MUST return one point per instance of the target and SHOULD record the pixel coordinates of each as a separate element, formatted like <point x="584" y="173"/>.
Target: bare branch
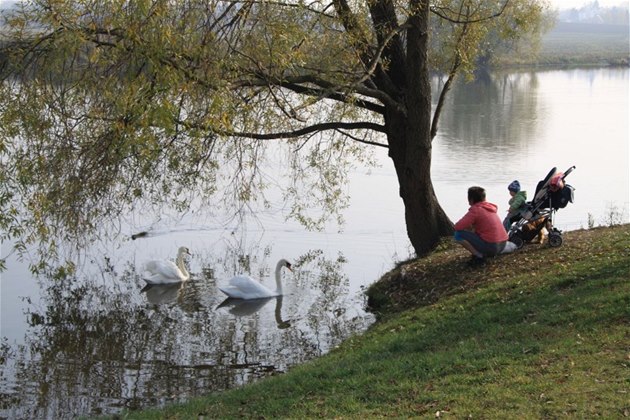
<point x="362" y="125"/>
<point x="358" y="140"/>
<point x="440" y="12"/>
<point x="449" y="81"/>
<point x="321" y="89"/>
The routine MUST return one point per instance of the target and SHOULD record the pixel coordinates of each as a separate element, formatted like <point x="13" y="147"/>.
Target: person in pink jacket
<point x="480" y="231"/>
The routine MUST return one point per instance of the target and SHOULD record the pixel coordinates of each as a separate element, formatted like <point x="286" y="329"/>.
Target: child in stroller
<point x="552" y="193"/>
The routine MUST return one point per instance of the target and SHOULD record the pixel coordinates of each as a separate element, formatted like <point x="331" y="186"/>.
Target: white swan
<point x="167" y="272"/>
<point x="245" y="287"/>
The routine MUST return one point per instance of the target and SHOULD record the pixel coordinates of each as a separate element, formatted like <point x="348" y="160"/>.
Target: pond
<point x="99" y="341"/>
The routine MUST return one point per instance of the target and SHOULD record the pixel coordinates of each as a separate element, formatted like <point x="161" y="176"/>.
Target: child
<point x="517" y="204"/>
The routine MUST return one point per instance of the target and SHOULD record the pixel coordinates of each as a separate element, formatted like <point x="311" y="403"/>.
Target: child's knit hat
<point x="514" y="186"/>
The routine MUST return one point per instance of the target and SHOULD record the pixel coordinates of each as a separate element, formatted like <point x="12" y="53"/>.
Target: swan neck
<point x="278" y="277"/>
<point x="181" y="265"/>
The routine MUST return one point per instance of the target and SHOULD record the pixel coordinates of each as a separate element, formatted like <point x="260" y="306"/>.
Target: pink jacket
<point x="482" y="218"/>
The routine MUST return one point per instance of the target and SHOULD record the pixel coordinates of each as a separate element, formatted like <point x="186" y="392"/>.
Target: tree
<point x="109" y="103"/>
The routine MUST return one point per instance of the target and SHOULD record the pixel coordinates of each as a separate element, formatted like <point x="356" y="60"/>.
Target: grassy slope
<point x="540" y="333"/>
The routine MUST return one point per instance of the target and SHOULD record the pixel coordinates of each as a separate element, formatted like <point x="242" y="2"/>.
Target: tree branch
<point x="371" y="143"/>
<point x="364" y="125"/>
<point x="360" y="40"/>
<point x="320" y="88"/>
<point x="385" y="23"/>
<point x="449" y="81"/>
<point x="439" y="12"/>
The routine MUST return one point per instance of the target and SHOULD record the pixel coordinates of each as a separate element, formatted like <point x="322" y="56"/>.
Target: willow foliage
<point x="113" y="105"/>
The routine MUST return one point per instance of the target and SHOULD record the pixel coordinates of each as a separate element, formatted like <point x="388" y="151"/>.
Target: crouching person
<point x="480" y="231"/>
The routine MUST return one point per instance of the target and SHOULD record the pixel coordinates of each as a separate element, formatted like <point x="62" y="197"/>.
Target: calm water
<point x="98" y="342"/>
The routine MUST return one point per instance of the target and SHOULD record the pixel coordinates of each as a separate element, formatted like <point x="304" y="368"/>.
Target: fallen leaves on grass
<point x="426" y="280"/>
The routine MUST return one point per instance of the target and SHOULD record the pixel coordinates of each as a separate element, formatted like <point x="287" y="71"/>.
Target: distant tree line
<point x="593" y="13"/>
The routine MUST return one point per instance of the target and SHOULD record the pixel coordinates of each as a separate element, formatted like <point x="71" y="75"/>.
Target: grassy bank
<point x="543" y="332"/>
<point x="576" y="45"/>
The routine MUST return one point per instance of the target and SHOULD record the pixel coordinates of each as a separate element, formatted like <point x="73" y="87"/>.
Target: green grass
<point x="593" y="49"/>
<point x="573" y="45"/>
<point x="542" y="333"/>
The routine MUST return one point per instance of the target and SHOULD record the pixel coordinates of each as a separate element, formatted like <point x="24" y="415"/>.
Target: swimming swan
<point x="245" y="287"/>
<point x="167" y="272"/>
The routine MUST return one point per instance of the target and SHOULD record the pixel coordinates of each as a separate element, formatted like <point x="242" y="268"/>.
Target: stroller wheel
<point x="518" y="241"/>
<point x="555" y="239"/>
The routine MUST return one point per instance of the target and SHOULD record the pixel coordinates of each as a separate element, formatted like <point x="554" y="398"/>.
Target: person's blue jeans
<point x="488" y="249"/>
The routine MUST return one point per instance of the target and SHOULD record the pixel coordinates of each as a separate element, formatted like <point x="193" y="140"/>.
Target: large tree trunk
<point x="425" y="218"/>
<point x="409" y="138"/>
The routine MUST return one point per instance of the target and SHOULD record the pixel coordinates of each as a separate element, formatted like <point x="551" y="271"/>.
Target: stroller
<point x="552" y="193"/>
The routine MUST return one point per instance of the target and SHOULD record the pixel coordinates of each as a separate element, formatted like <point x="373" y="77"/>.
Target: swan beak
<point x="289" y="267"/>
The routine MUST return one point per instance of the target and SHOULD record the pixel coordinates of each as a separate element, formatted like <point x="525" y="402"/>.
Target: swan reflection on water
<point x="160" y="294"/>
<point x="247" y="307"/>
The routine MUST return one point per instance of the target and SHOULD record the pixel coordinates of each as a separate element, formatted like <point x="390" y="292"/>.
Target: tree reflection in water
<point x="94" y="348"/>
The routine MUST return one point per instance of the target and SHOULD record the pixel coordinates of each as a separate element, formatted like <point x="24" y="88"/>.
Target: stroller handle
<point x="568" y="171"/>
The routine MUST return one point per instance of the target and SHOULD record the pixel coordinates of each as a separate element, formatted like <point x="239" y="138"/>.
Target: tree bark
<point x="409" y="137"/>
<point x="425" y="219"/>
